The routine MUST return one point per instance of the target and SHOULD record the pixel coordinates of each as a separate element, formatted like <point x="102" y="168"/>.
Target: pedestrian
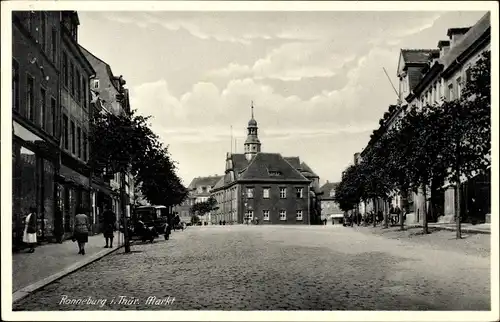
<point x="81" y="230"/>
<point x="30" y="225"/>
<point x="220" y="222"/>
<point x="224" y="223"/>
<point x="109" y="222"/>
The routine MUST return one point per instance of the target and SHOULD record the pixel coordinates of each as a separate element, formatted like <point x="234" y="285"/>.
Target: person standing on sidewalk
<point x="81" y="230"/>
<point x="109" y="226"/>
<point x="29" y="236"/>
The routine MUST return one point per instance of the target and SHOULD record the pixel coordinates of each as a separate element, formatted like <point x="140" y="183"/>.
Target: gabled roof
<point x="204" y="181"/>
<point x="220" y="183"/>
<point x="265" y="163"/>
<point x="475" y="32"/>
<point x="307" y="171"/>
<point x="326" y="188"/>
<point x="294" y="161"/>
<point x="418" y="56"/>
<point x="239" y="162"/>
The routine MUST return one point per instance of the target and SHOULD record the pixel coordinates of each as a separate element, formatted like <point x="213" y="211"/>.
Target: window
<point x="65" y="132"/>
<point x="282" y="214"/>
<point x="30" y="97"/>
<point x="265" y="215"/>
<point x="250" y="214"/>
<point x="73" y="137"/>
<point x="43" y="30"/>
<point x="299" y="214"/>
<point x="300" y="192"/>
<point x="84" y="91"/>
<point x="96" y="84"/>
<point x="65" y="69"/>
<point x="72" y="78"/>
<point x="15" y="85"/>
<point x="51" y="121"/>
<point x="282" y="193"/>
<point x="468" y="75"/>
<point x="78" y="86"/>
<point x="79" y="142"/>
<point x="43" y="107"/>
<point x="54" y="45"/>
<point x="459" y="87"/>
<point x="451" y="95"/>
<point x="249" y="192"/>
<point x="265" y="193"/>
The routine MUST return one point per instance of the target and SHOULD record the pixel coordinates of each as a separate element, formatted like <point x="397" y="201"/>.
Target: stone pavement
<point x="276" y="268"/>
<point x="51" y="261"/>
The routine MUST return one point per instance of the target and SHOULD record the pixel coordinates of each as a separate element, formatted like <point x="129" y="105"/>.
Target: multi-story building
<point x="50" y="120"/>
<point x="199" y="190"/>
<point x="429" y="76"/>
<point x="36" y="38"/>
<point x="444" y="78"/>
<point x="263" y="186"/>
<point x="109" y="96"/>
<point x="75" y="97"/>
<point x="329" y="208"/>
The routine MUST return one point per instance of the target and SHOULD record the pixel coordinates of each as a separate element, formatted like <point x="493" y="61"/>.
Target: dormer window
<point x="273" y="173"/>
<point x="332" y="193"/>
<point x="96" y="84"/>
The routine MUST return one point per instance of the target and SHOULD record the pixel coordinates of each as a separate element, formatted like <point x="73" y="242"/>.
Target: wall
<point x="274" y="204"/>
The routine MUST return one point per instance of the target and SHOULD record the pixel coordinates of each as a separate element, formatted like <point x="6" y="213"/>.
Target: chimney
<point x="444" y="47"/>
<point x="455" y="34"/>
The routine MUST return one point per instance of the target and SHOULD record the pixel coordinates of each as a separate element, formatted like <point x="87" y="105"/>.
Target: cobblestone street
<point x="279" y="267"/>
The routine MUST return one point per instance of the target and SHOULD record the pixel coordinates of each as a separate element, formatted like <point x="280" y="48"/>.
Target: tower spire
<point x="252" y="109"/>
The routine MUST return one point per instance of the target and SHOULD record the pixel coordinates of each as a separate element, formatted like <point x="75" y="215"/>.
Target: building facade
<point x="430" y="76"/>
<point x="50" y="109"/>
<point x="329" y="208"/>
<point x="75" y="71"/>
<point x="109" y="96"/>
<point x="199" y="190"/>
<point x="263" y="187"/>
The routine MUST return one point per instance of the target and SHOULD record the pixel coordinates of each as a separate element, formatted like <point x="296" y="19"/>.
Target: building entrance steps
<point x="31" y="271"/>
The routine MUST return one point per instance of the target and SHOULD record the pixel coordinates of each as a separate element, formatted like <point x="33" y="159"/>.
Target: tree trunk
<point x="404" y="206"/>
<point x="424" y="216"/>
<point x="357" y="214"/>
<point x="364" y="221"/>
<point x="457" y="207"/>
<point x="375" y="207"/>
<point x="386" y="214"/>
<point x="124" y="212"/>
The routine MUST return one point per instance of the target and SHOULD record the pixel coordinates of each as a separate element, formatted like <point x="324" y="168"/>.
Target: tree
<point x="123" y="144"/>
<point x="201" y="208"/>
<point x="466" y="126"/>
<point x="424" y="160"/>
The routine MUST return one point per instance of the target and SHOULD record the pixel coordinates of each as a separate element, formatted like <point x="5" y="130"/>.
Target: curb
<point x="464" y="230"/>
<point x="27" y="290"/>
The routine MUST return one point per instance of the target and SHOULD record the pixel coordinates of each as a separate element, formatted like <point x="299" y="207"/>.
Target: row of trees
<point x="126" y="144"/>
<point x="429" y="145"/>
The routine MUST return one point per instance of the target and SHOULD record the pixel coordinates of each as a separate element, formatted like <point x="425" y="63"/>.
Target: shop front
<point x="74" y="192"/>
<point x="34" y="162"/>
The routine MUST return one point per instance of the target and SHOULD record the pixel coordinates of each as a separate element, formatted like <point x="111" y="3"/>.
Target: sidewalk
<point x="465" y="227"/>
<point x="52" y="261"/>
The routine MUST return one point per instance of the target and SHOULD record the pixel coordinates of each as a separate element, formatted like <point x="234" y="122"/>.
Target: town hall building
<point x="264" y="187"/>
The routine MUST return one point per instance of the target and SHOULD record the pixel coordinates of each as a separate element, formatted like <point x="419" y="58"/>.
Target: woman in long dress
<point x="29" y="236"/>
<point x="81" y="230"/>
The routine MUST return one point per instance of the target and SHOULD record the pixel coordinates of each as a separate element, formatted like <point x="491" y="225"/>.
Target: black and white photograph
<point x="253" y="160"/>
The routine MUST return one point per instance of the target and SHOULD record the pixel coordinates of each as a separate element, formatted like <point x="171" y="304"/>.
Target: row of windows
<point x="299" y="192"/>
<point x="453" y="91"/>
<point x="74" y="139"/>
<point x="265" y="215"/>
<point x="40" y="109"/>
<point x="75" y="82"/>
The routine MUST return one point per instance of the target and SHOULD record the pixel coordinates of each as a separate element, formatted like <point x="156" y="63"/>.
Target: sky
<point x="316" y="79"/>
